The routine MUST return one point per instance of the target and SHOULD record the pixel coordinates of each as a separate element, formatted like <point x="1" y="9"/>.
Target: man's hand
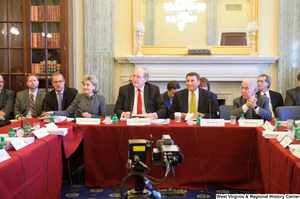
<point x="183" y="115"/>
<point x="196" y="115"/>
<point x="47" y="113"/>
<point x="21" y="118"/>
<point x="86" y="115"/>
<point x="251" y="102"/>
<point x="126" y="114"/>
<point x="2" y="113"/>
<point x="151" y="115"/>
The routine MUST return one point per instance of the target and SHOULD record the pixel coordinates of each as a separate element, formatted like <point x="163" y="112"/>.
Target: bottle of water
<point x="3" y="144"/>
<point x="115" y="119"/>
<point x="52" y="118"/>
<point x="277" y="124"/>
<point x="295" y="129"/>
<point x="242" y="117"/>
<point x="199" y="119"/>
<point x="11" y="132"/>
<point x="27" y="129"/>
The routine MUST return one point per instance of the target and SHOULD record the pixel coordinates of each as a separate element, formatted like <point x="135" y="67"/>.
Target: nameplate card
<point x="285" y="142"/>
<point x="251" y="122"/>
<point x="268" y="126"/>
<point x="297" y="152"/>
<point x="293" y="147"/>
<point x="3" y="155"/>
<point x="212" y="122"/>
<point x="138" y="121"/>
<point x="93" y="121"/>
<point x="273" y="134"/>
<point x="51" y="125"/>
<point x="280" y="137"/>
<point x="18" y="143"/>
<point x="58" y="131"/>
<point x="40" y="133"/>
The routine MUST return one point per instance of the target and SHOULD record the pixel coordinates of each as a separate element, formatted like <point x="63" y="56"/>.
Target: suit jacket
<point x="51" y="104"/>
<point x="292" y="97"/>
<point x="180" y="103"/>
<point x="152" y="100"/>
<point x="262" y="102"/>
<point x="22" y="103"/>
<point x="167" y="101"/>
<point x="7" y="100"/>
<point x="276" y="100"/>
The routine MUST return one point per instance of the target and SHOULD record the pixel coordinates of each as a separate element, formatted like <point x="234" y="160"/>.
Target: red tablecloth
<point x="280" y="161"/>
<point x="224" y="153"/>
<point x="36" y="163"/>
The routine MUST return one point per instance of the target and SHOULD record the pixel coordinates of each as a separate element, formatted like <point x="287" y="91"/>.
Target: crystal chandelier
<point x="183" y="8"/>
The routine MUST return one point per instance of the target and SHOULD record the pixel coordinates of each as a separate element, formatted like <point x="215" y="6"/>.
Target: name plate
<point x="285" y="142"/>
<point x="297" y="152"/>
<point x="212" y="122"/>
<point x="18" y="143"/>
<point x="273" y="134"/>
<point x="58" y="131"/>
<point x="92" y="121"/>
<point x="40" y="133"/>
<point x="268" y="126"/>
<point x="51" y="125"/>
<point x="3" y="155"/>
<point x="281" y="136"/>
<point x="138" y="121"/>
<point x="251" y="122"/>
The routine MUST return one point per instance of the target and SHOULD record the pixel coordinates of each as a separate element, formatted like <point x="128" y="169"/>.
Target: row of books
<point x="38" y="39"/>
<point x="53" y="67"/>
<point x="37" y="13"/>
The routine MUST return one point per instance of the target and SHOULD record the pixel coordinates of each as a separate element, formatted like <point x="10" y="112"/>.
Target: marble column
<point x="99" y="44"/>
<point x="211" y="9"/>
<point x="289" y="45"/>
<point x="149" y="24"/>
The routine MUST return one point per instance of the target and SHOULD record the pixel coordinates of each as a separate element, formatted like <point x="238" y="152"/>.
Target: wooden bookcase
<point x="33" y="39"/>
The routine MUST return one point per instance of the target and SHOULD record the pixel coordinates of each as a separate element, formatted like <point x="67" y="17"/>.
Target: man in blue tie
<point x="250" y="104"/>
<point x="172" y="87"/>
<point x="7" y="100"/>
<point x="61" y="97"/>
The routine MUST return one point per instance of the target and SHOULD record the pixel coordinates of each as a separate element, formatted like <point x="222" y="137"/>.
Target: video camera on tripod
<point x="166" y="154"/>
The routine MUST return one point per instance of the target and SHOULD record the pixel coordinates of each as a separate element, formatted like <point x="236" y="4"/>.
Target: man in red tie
<point x="140" y="98"/>
<point x="29" y="103"/>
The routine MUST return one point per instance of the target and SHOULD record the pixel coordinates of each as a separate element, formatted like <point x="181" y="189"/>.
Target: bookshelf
<point x="35" y="43"/>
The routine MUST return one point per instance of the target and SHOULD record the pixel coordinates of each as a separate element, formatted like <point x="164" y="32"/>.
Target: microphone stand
<point x="131" y="107"/>
<point x="209" y="106"/>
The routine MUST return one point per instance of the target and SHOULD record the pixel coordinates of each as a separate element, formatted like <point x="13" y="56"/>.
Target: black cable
<point x="201" y="162"/>
<point x="270" y="165"/>
<point x="116" y="157"/>
<point x="257" y="164"/>
<point x="248" y="165"/>
<point x="69" y="168"/>
<point x="82" y="159"/>
<point x="24" y="174"/>
<point x="173" y="176"/>
<point x="47" y="185"/>
<point x="290" y="186"/>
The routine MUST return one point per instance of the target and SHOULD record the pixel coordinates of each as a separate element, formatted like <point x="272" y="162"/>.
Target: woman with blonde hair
<point x="88" y="104"/>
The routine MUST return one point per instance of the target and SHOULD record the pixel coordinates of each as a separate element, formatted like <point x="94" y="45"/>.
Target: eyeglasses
<point x="138" y="77"/>
<point x="261" y="81"/>
<point x="60" y="81"/>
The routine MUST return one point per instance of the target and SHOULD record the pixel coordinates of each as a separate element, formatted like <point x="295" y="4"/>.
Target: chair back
<point x="288" y="112"/>
<point x="110" y="109"/>
<point x="225" y="111"/>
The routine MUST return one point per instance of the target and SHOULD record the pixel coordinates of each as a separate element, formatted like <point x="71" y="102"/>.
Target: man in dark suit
<point x="250" y="104"/>
<point x="194" y="99"/>
<point x="7" y="98"/>
<point x="140" y="97"/>
<point x="30" y="103"/>
<point x="167" y="96"/>
<point x="275" y="99"/>
<point x="292" y="97"/>
<point x="61" y="97"/>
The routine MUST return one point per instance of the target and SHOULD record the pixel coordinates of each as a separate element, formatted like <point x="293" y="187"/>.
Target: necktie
<point x="193" y="104"/>
<point x="59" y="102"/>
<point x="139" y="103"/>
<point x="32" y="106"/>
<point x="249" y="113"/>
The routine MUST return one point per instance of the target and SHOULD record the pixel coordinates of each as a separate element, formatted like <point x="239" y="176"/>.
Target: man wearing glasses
<point x="61" y="97"/>
<point x="275" y="99"/>
<point x="7" y="98"/>
<point x="140" y="98"/>
<point x="250" y="104"/>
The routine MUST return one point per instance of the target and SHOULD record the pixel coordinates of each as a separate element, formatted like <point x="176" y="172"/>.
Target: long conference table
<point x="215" y="157"/>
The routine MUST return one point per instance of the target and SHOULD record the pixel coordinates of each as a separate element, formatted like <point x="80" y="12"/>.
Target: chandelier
<point x="183" y="8"/>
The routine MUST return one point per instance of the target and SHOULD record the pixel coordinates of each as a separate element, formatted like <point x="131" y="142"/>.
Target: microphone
<point x="76" y="107"/>
<point x="131" y="107"/>
<point x="209" y="106"/>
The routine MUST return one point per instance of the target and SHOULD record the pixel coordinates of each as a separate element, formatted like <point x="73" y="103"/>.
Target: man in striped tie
<point x="29" y="103"/>
<point x="194" y="99"/>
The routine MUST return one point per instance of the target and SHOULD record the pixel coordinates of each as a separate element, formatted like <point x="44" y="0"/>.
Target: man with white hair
<point x="250" y="104"/>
